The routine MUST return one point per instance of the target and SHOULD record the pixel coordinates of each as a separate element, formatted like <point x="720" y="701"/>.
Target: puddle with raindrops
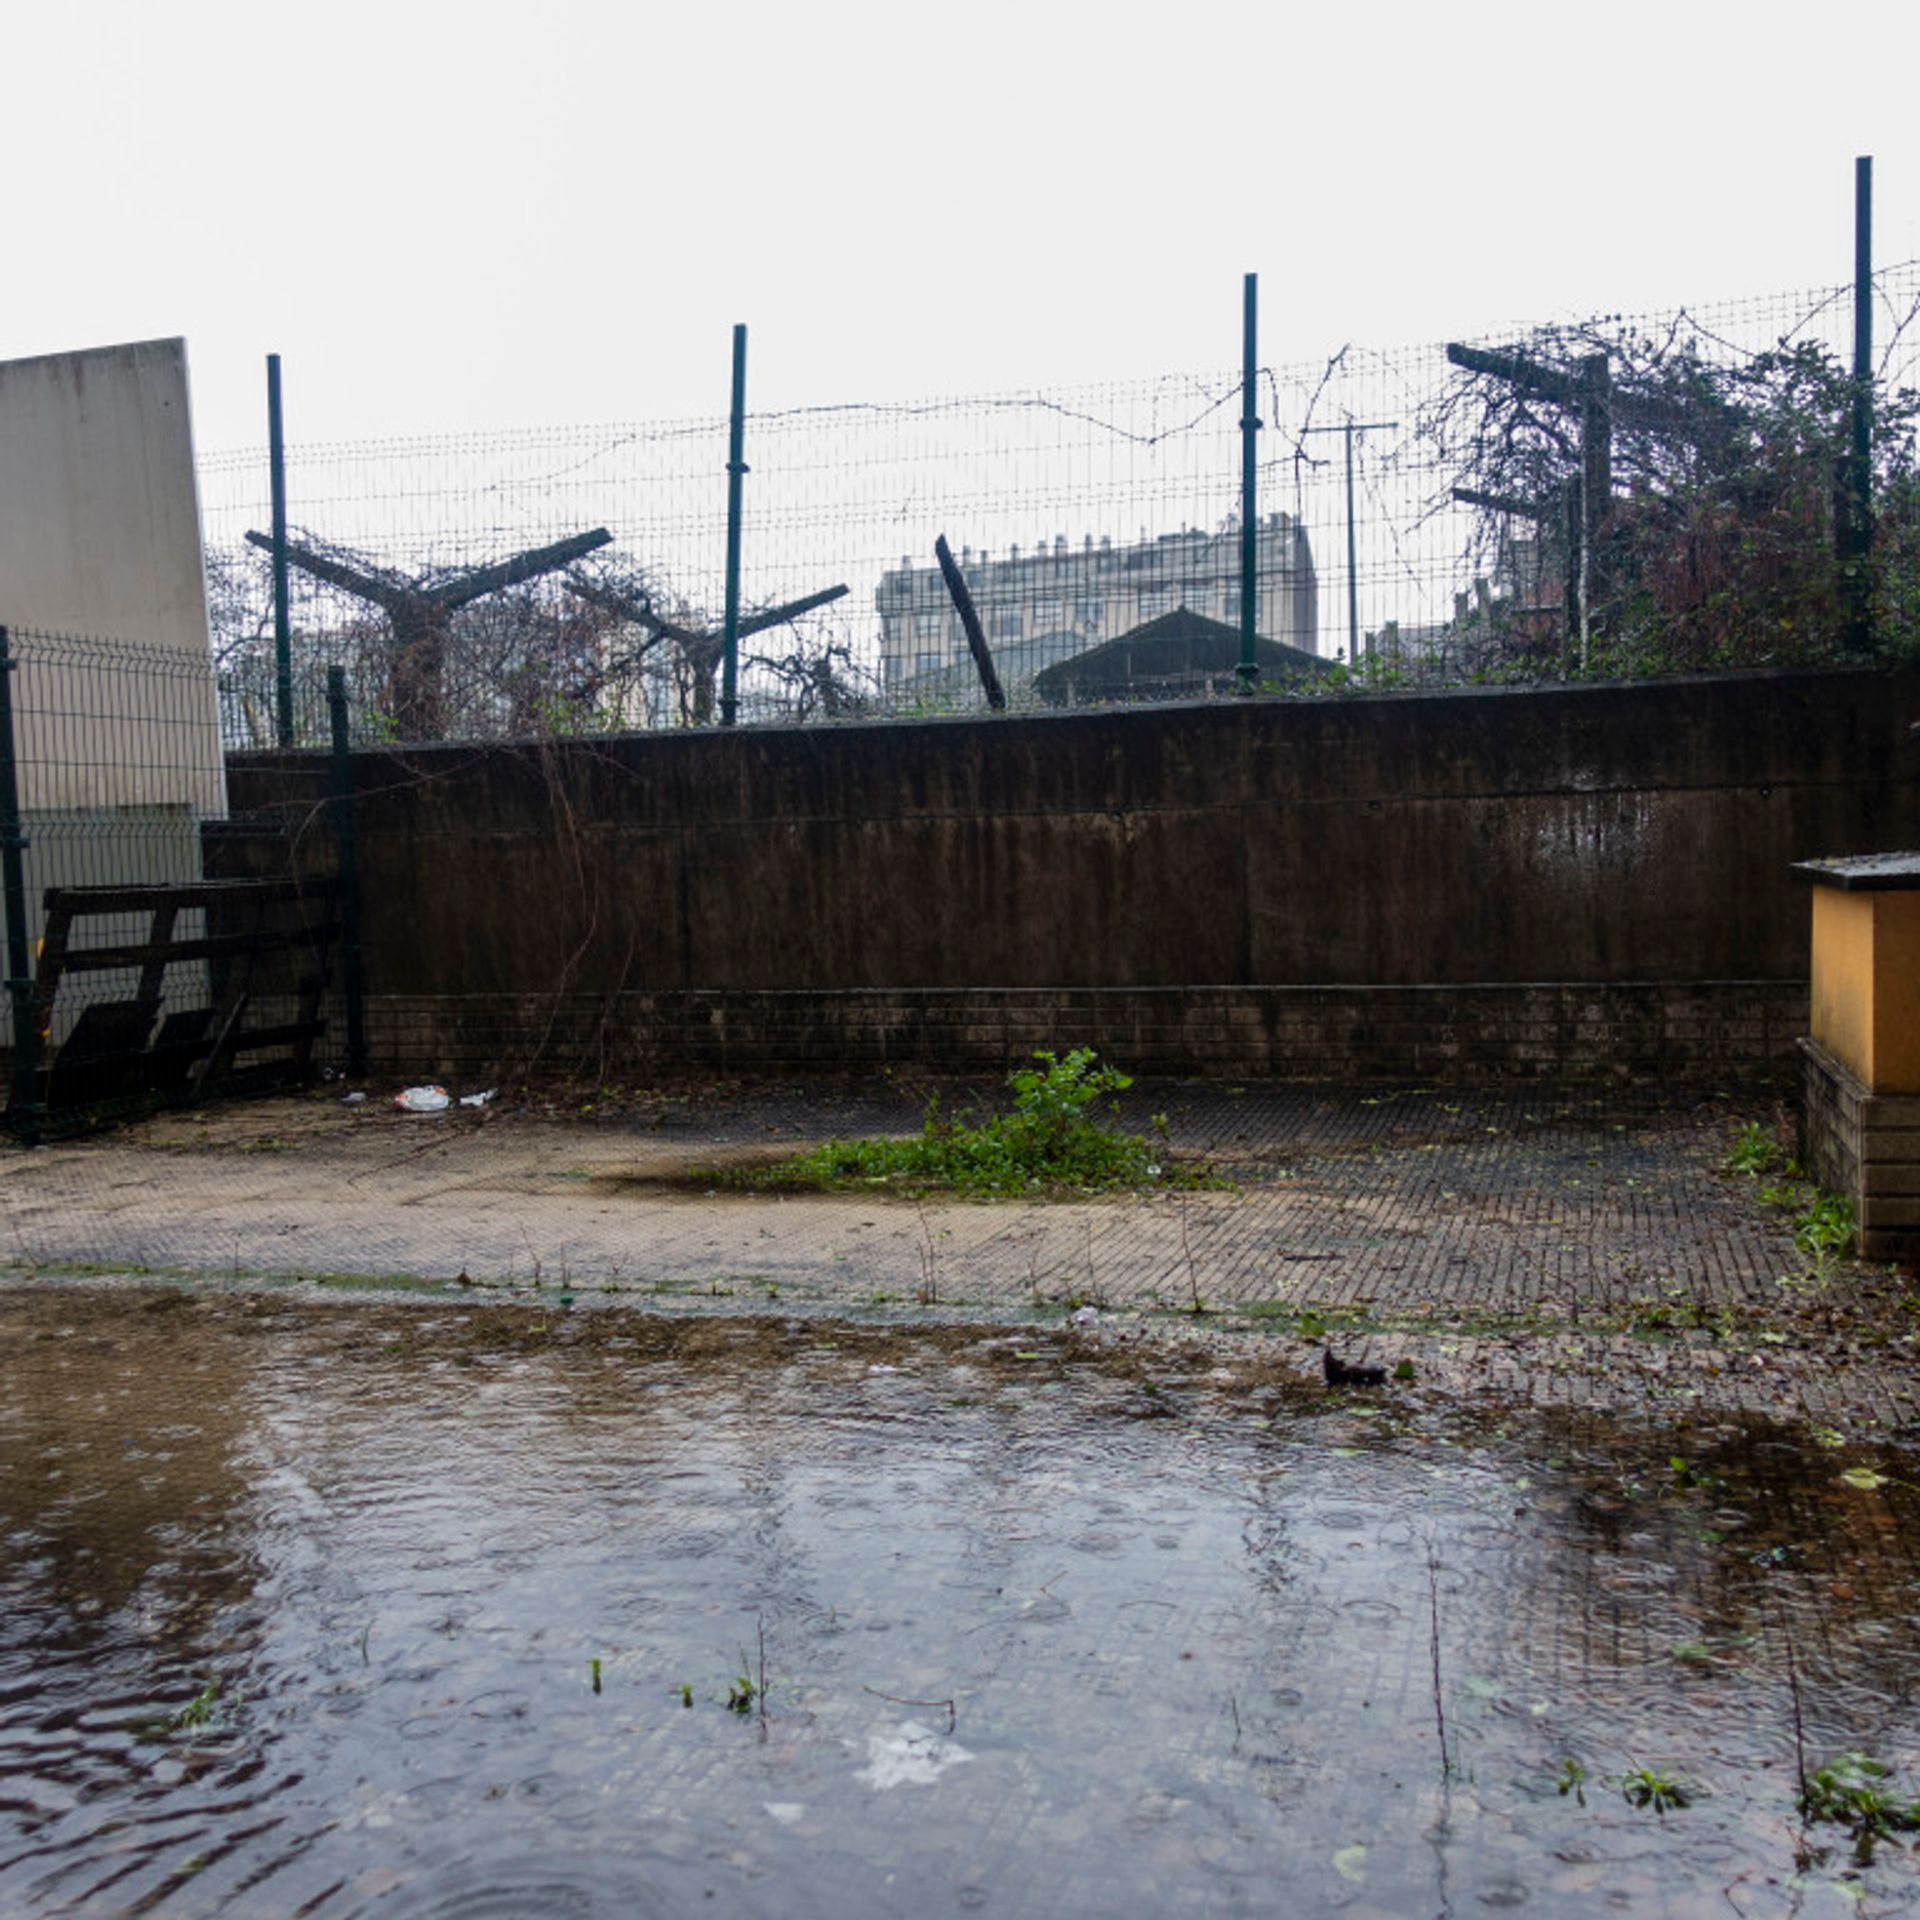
<point x="316" y="1610"/>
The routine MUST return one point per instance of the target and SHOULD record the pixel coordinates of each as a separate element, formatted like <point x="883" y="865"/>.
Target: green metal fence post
<point x="736" y="472"/>
<point x="25" y="1108"/>
<point x="351" y="984"/>
<point x="282" y="625"/>
<point x="1859" y="542"/>
<point x="1249" y="669"/>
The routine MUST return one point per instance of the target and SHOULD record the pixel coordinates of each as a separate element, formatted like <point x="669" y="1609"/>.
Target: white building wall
<point x="100" y="537"/>
<point x="118" y="743"/>
<point x="1051" y="602"/>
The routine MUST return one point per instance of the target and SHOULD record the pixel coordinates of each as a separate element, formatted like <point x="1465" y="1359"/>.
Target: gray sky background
<point x="451" y="217"/>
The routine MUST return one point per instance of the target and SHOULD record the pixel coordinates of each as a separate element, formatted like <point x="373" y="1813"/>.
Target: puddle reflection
<point x="330" y="1612"/>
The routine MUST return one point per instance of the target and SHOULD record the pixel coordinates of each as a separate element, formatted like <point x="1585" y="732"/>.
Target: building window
<point x="1198" y="595"/>
<point x="1006" y="623"/>
<point x="1090" y="614"/>
<point x="1046" y="616"/>
<point x="1154" y="601"/>
<point x="926" y="625"/>
<point x="925" y="663"/>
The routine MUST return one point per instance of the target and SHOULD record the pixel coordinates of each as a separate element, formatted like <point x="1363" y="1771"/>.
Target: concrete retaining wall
<point x="1565" y="881"/>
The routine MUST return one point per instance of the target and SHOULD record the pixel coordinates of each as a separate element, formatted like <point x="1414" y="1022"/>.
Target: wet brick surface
<point x="1578" y="1244"/>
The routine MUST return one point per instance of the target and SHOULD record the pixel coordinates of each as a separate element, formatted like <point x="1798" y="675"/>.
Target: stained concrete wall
<point x="100" y="537"/>
<point x="103" y="593"/>
<point x="1634" y="836"/>
<point x="99" y="513"/>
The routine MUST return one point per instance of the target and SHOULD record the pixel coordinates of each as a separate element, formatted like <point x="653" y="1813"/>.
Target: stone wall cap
<point x="1864" y="872"/>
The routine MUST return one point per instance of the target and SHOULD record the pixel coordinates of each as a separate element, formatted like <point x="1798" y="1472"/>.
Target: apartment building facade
<point x="1051" y="602"/>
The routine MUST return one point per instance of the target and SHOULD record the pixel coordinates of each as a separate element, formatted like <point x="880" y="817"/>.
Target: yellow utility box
<point x="1860" y="1120"/>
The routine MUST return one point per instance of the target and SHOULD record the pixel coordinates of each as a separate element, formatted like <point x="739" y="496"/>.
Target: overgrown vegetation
<point x="603" y="646"/>
<point x="1700" y="506"/>
<point x="1062" y="1136"/>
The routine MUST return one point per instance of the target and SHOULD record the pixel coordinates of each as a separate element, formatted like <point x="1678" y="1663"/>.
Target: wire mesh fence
<point x="143" y="964"/>
<point x="1644" y="494"/>
<point x="1413" y="526"/>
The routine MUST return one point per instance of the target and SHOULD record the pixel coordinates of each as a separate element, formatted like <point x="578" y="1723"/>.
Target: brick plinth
<point x="1866" y="1146"/>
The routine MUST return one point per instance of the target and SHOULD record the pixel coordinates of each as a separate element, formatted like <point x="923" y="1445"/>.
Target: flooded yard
<point x="503" y="1611"/>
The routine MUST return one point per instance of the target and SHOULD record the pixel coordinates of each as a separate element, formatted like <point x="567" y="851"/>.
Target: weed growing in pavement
<point x="1825" y="1230"/>
<point x="199" y="1711"/>
<point x="748" y="1691"/>
<point x="1823" y="1226"/>
<point x="1686" y="1475"/>
<point x="1059" y="1138"/>
<point x="1199" y="1305"/>
<point x="1852" y="1792"/>
<point x="1754" y="1151"/>
<point x="1674" y="1314"/>
<point x="929" y="1293"/>
<point x="1573" y="1780"/>
<point x="1654" y="1787"/>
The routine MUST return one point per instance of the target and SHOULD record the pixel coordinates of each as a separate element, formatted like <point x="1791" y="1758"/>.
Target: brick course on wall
<point x="1723" y="1030"/>
<point x="1576" y="880"/>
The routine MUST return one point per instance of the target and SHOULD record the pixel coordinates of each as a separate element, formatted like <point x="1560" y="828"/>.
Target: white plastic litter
<point x="354" y="1100"/>
<point x="422" y="1100"/>
<point x="478" y="1099"/>
<point x="1084" y="1317"/>
<point x="911" y="1756"/>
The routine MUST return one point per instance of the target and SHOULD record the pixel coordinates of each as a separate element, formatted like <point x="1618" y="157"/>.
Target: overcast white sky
<point x="465" y="216"/>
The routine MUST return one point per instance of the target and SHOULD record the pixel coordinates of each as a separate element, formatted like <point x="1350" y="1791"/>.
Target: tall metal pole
<point x="1249" y="668"/>
<point x="24" y="1108"/>
<point x="352" y="979"/>
<point x="282" y="626"/>
<point x="1348" y="428"/>
<point x="736" y="472"/>
<point x="1353" y="563"/>
<point x="1860" y="490"/>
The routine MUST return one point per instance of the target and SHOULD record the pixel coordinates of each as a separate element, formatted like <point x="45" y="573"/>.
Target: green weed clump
<point x="1654" y="1787"/>
<point x="1061" y="1135"/>
<point x="1855" y="1792"/>
<point x="1754" y="1151"/>
<point x="1824" y="1226"/>
<point x="1825" y="1231"/>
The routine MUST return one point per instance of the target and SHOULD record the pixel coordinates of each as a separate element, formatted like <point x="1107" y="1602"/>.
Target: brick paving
<point x="1580" y="1245"/>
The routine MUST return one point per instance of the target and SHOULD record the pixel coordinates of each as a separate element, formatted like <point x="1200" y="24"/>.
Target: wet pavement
<point x="357" y="1608"/>
<point x="1556" y="1245"/>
